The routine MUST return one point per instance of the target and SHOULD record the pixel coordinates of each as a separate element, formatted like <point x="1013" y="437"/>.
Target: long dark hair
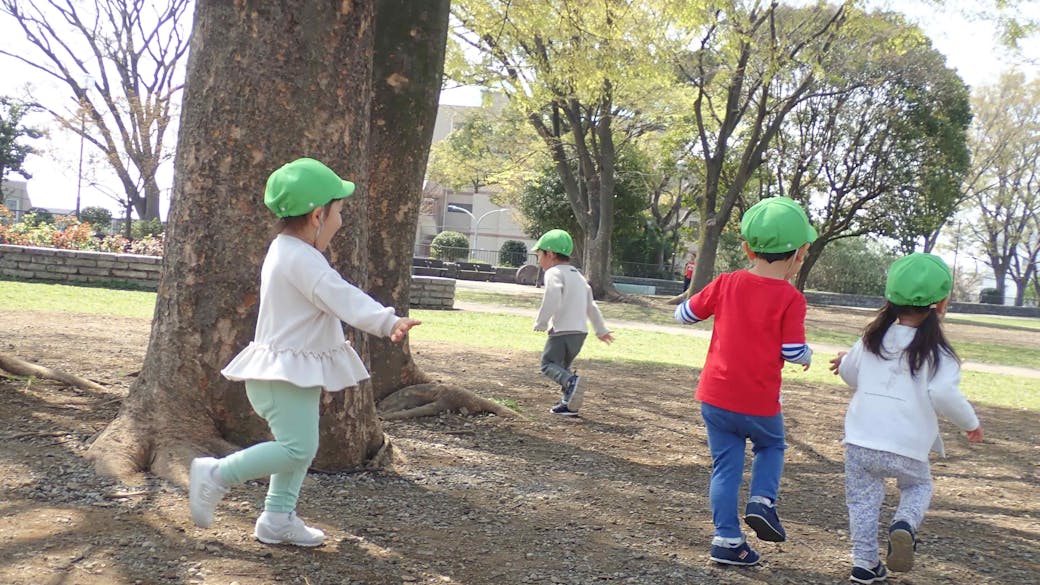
<point x="929" y="342"/>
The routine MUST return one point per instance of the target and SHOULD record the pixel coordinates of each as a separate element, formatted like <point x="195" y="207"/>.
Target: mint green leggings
<point x="292" y="414"/>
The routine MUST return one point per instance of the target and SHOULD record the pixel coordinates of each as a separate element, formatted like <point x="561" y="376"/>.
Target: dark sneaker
<point x="901" y="546"/>
<point x="741" y="555"/>
<point x="868" y="576"/>
<point x="562" y="410"/>
<point x="573" y="393"/>
<point x="765" y="522"/>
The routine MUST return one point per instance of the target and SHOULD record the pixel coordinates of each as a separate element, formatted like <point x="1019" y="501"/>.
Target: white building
<point x="16" y="197"/>
<point x="486" y="224"/>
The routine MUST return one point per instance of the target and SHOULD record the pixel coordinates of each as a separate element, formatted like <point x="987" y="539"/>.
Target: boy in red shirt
<point x="759" y="324"/>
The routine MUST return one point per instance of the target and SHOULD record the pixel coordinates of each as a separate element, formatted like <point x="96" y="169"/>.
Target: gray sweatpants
<point x="865" y="473"/>
<point x="559" y="353"/>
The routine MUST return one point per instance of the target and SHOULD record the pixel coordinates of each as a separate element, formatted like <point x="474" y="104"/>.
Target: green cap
<point x="299" y="187"/>
<point x="777" y="224"/>
<point x="557" y="241"/>
<point x="918" y="280"/>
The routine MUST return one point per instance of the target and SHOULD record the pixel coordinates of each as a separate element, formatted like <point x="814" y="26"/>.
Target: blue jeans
<point x="728" y="433"/>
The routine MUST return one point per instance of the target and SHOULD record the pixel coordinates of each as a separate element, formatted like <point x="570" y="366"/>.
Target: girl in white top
<point x="298" y="349"/>
<point x="904" y="373"/>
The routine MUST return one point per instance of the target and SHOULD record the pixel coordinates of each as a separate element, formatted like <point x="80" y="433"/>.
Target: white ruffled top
<point x="299" y="338"/>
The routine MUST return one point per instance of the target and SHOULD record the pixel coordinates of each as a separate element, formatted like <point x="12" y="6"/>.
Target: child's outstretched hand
<point x="837" y="362"/>
<point x="607" y="338"/>
<point x="401" y="328"/>
<point x="975" y="436"/>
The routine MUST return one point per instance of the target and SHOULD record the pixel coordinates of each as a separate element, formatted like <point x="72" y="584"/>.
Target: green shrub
<point x="512" y="253"/>
<point x="37" y="216"/>
<point x="146" y="229"/>
<point x="98" y="217"/>
<point x="449" y="246"/>
<point x="990" y="296"/>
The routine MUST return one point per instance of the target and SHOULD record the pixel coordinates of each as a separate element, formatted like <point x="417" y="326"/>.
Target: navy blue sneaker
<point x="765" y="522"/>
<point x="562" y="410"/>
<point x="901" y="546"/>
<point x="868" y="576"/>
<point x="572" y="393"/>
<point x="742" y="555"/>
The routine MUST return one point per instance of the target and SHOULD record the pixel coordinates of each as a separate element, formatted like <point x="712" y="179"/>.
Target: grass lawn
<point x="514" y="333"/>
<point x="75" y="299"/>
<point x="997" y="321"/>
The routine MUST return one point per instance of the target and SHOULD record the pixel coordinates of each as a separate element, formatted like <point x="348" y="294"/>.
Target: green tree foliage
<point x="543" y="205"/>
<point x="98" y="217"/>
<point x="852" y="266"/>
<point x="880" y="146"/>
<point x="512" y="253"/>
<point x="1004" y="193"/>
<point x="449" y="246"/>
<point x="581" y="75"/>
<point x="489" y="146"/>
<point x="753" y="63"/>
<point x="13" y="135"/>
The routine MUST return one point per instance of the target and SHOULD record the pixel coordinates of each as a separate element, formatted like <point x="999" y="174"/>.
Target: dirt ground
<point x="617" y="496"/>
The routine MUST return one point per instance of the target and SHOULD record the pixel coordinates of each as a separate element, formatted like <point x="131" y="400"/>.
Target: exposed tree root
<point x="21" y="367"/>
<point x="679" y="298"/>
<point x="433" y="399"/>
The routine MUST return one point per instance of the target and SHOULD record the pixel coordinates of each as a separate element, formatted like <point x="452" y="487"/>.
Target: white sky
<point x="971" y="48"/>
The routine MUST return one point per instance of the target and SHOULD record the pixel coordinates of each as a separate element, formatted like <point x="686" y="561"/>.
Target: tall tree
<point x="881" y="148"/>
<point x="580" y="72"/>
<point x="13" y="132"/>
<point x="408" y="64"/>
<point x="489" y="146"/>
<point x="269" y="82"/>
<point x="752" y="66"/>
<point x="121" y="61"/>
<point x="1005" y="194"/>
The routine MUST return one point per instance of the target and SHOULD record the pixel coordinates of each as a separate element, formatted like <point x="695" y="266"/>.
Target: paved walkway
<point x="519" y="289"/>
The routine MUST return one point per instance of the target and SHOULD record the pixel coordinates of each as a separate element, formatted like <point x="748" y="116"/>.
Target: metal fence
<point x="473" y="255"/>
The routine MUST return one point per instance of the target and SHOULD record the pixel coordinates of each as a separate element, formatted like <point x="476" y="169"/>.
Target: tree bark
<point x="408" y="63"/>
<point x="267" y="82"/>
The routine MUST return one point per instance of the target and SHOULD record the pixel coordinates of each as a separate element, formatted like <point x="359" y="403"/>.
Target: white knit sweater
<point x="892" y="411"/>
<point x="567" y="304"/>
<point x="299" y="338"/>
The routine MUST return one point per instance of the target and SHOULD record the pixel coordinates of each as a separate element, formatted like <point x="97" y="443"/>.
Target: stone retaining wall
<point x="870" y="302"/>
<point x="142" y="272"/>
<point x="76" y="267"/>
<point x="432" y="292"/>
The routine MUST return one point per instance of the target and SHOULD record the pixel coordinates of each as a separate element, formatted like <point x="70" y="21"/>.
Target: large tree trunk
<point x="812" y="255"/>
<point x="707" y="251"/>
<point x="267" y="82"/>
<point x="407" y="66"/>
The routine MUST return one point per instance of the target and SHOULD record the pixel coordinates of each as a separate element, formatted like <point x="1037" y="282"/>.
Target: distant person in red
<point x="688" y="273"/>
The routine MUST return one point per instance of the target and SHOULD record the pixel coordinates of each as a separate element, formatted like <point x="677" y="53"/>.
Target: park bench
<point x="428" y="267"/>
<point x="475" y="271"/>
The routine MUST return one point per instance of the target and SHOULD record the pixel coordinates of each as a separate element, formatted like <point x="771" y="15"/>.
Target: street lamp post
<point x="82" y="134"/>
<point x="474" y="222"/>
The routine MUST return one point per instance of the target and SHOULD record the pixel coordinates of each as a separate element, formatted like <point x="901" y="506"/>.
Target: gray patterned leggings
<point x="865" y="473"/>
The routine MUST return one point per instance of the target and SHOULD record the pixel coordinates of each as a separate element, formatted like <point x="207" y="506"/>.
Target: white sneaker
<point x="204" y="492"/>
<point x="291" y="530"/>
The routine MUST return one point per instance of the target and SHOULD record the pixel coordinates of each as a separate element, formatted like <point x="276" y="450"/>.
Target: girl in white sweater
<point x="298" y="350"/>
<point x="904" y="373"/>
